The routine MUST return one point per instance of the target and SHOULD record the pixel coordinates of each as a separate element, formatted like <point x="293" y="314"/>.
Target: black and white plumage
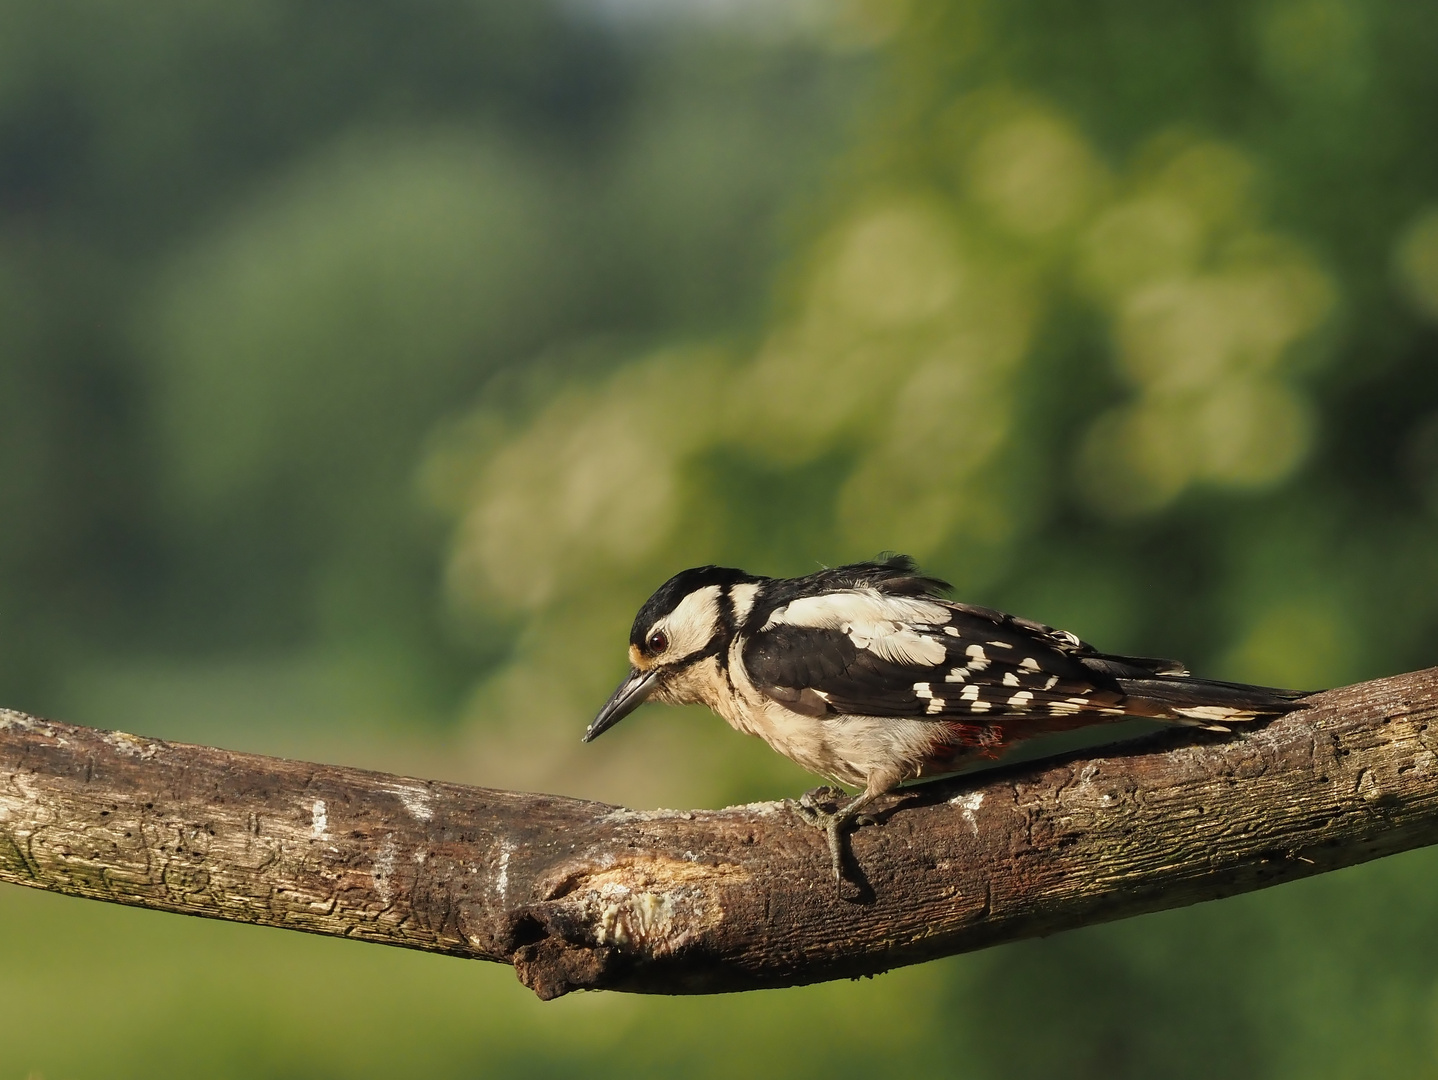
<point x="866" y="675"/>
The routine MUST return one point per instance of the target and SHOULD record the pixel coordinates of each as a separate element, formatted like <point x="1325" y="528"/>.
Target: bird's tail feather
<point x="1207" y="703"/>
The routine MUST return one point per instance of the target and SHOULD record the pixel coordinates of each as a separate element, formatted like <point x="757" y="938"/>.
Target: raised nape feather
<point x="897" y="575"/>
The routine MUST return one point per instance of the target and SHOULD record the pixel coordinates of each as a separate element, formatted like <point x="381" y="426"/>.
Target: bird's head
<point x="689" y="620"/>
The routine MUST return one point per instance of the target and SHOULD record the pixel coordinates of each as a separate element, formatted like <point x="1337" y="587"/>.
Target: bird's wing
<point x="862" y="652"/>
<point x="874" y="655"/>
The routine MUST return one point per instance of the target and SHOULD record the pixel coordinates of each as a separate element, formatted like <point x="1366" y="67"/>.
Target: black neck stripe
<point x="727" y="629"/>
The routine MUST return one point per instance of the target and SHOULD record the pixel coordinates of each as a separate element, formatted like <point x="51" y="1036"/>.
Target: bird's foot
<point x="825" y="808"/>
<point x="819" y="804"/>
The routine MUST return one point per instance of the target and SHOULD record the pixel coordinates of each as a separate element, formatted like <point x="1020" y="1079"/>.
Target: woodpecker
<point x="866" y="675"/>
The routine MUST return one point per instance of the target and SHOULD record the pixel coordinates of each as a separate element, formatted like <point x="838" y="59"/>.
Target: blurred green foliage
<point x="362" y="367"/>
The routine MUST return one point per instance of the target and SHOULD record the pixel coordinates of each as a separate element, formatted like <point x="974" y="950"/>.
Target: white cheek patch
<point x="872" y="621"/>
<point x="691" y="625"/>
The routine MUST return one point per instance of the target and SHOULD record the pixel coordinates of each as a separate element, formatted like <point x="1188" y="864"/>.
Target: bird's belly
<point x="855" y="750"/>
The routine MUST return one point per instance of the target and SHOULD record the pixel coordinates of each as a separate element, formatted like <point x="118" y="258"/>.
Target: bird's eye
<point x="658" y="641"/>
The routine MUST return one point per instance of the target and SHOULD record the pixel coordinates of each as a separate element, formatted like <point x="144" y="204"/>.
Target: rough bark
<point x="580" y="895"/>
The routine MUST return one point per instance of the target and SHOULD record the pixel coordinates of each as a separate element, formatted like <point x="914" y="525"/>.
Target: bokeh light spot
<point x="1416" y="262"/>
<point x="1034" y="173"/>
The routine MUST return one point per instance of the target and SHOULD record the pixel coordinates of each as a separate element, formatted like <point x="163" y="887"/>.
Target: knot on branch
<point x="597" y="920"/>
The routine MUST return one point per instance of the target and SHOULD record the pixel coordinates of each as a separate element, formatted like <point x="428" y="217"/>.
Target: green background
<point x="363" y="367"/>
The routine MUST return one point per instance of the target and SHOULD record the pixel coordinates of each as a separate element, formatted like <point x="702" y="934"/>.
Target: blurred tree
<point x="254" y="256"/>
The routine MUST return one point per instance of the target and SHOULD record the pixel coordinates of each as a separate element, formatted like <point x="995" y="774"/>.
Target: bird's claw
<point x="814" y="807"/>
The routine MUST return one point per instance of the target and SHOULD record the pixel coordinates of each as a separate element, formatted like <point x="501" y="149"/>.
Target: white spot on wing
<point x="979" y="706"/>
<point x="1028" y="663"/>
<point x="902" y="646"/>
<point x="1010" y="679"/>
<point x="971" y="693"/>
<point x="873" y="621"/>
<point x="922" y="690"/>
<point x="1211" y="712"/>
<point x="957" y="675"/>
<point x="936" y="706"/>
<point x="1023" y="697"/>
<point x="831" y="610"/>
<point x="1000" y="644"/>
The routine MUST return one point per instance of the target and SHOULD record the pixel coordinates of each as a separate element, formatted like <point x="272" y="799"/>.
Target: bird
<point x="868" y="676"/>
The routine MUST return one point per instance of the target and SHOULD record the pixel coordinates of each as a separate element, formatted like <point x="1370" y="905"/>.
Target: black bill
<point x="631" y="694"/>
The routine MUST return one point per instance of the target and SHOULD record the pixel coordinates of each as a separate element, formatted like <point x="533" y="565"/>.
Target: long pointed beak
<point x="631" y="694"/>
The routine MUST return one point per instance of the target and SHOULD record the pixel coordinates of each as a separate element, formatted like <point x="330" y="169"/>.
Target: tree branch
<point x="580" y="895"/>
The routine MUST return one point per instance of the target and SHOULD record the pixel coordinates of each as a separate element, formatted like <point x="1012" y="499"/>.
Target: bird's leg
<point x="835" y="822"/>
